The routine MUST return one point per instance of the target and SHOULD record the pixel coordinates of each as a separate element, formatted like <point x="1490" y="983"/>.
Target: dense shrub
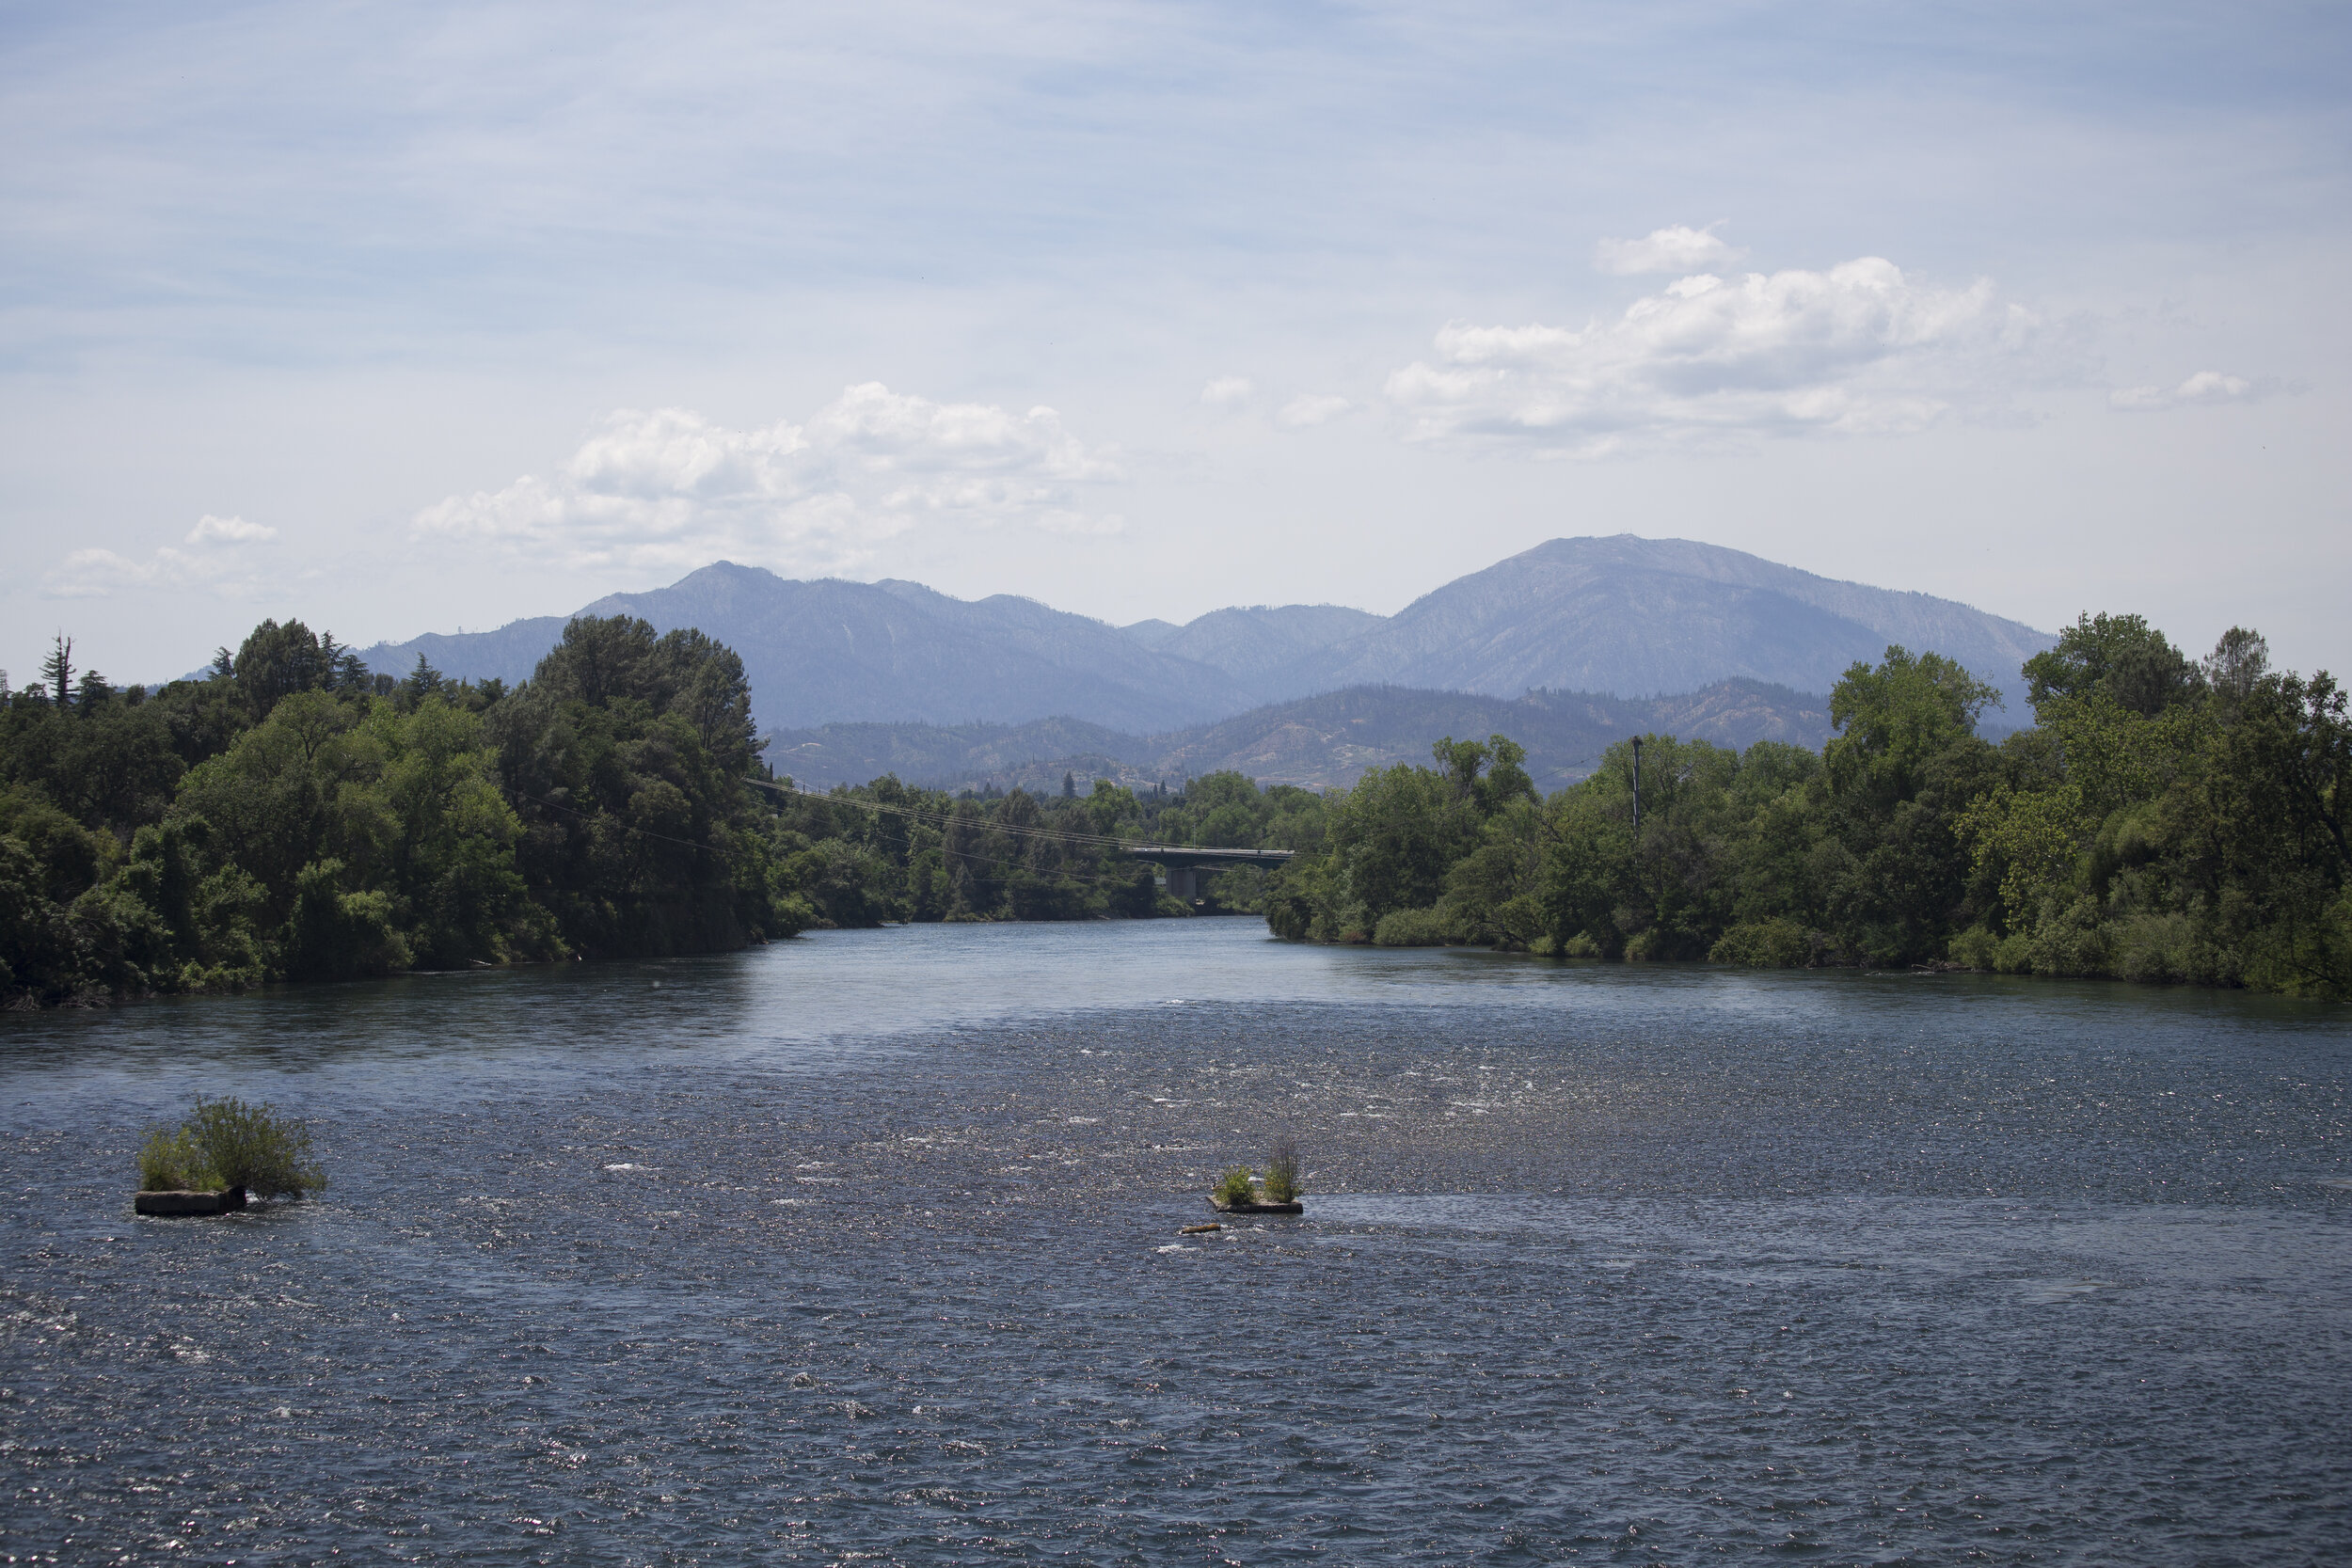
<point x="1775" y="943"/>
<point x="171" y="1162"/>
<point x="229" y="1143"/>
<point x="1413" y="929"/>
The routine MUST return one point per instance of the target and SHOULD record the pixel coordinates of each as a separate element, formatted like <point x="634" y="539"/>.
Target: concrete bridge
<point x="1185" y="863"/>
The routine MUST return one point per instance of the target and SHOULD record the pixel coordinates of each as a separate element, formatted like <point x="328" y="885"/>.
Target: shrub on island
<point x="1241" y="1191"/>
<point x="225" y="1149"/>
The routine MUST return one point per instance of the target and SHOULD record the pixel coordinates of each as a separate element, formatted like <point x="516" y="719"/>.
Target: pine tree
<point x="56" y="671"/>
<point x="345" y="673"/>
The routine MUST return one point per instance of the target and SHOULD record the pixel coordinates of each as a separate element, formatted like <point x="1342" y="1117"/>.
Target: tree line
<point x="291" y="815"/>
<point x="887" y="852"/>
<point x="2162" y="819"/>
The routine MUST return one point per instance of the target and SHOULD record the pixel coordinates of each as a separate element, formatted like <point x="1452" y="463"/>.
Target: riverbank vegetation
<point x="2161" y="819"/>
<point x="291" y="815"/>
<point x="886" y="853"/>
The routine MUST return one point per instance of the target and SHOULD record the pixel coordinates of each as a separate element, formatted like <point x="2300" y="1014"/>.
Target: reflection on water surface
<point x="868" y="1244"/>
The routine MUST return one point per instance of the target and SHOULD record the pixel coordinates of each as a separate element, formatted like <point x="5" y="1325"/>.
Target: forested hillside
<point x="2161" y="820"/>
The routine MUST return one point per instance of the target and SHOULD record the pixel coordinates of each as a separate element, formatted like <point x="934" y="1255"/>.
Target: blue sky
<point x="406" y="319"/>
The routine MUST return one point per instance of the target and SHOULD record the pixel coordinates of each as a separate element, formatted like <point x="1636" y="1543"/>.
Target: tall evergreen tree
<point x="57" y="671"/>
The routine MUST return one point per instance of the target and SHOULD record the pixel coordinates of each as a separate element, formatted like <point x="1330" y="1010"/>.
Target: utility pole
<point x="1637" y="783"/>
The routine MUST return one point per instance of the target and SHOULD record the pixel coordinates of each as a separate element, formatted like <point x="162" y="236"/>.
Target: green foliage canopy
<point x="291" y="816"/>
<point x="2162" y="820"/>
<point x="294" y="817"/>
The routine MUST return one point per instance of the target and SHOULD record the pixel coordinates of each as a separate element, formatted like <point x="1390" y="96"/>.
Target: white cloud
<point x="210" y="529"/>
<point x="667" y="487"/>
<point x="1675" y="249"/>
<point x="1312" y="408"/>
<point x="96" y="574"/>
<point x="2205" y="386"/>
<point x="1227" y="391"/>
<point x="1858" y="349"/>
<point x="215" y="563"/>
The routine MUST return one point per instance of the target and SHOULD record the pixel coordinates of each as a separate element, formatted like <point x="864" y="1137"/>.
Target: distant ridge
<point x="1322" y="743"/>
<point x="508" y="653"/>
<point x="834" y="651"/>
<point x="1247" y="641"/>
<point x="1633" y="617"/>
<point x="1622" y="617"/>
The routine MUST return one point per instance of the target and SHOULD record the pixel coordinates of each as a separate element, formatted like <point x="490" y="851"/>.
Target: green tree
<point x="1895" y="719"/>
<point x="276" y="662"/>
<point x="2121" y="656"/>
<point x="57" y="671"/>
<point x="624" y="756"/>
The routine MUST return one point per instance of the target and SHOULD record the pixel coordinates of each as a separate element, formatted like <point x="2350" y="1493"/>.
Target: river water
<point x="865" y="1248"/>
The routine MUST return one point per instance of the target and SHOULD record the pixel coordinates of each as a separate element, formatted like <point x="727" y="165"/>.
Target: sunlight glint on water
<point x="867" y="1243"/>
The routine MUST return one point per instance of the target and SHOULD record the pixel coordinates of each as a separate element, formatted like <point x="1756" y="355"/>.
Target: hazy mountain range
<point x="1622" y="617"/>
<point x="829" y="650"/>
<point x="1323" y="742"/>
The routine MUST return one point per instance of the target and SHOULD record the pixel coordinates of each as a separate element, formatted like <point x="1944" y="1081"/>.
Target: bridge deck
<point x="1201" y="855"/>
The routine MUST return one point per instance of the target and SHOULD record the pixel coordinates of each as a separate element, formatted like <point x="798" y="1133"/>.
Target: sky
<point x="420" y="318"/>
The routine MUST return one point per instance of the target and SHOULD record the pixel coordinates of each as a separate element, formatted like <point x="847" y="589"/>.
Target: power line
<point x="625" y="827"/>
<point x="943" y="819"/>
<point x="977" y="856"/>
<point x="928" y="819"/>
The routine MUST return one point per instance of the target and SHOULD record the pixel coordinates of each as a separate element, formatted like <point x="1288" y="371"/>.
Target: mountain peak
<point x="1638" y="617"/>
<point x="1619" y="614"/>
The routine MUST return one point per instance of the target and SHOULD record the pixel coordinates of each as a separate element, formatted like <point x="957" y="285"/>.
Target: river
<point x="866" y="1246"/>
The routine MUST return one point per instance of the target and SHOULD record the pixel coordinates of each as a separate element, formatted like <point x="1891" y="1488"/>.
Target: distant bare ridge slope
<point x="1639" y="617"/>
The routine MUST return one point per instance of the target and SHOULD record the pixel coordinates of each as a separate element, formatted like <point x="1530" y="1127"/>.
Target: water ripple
<point x="795" y="1260"/>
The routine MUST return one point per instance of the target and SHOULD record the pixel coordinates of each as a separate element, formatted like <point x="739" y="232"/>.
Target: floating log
<point x="174" y="1203"/>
